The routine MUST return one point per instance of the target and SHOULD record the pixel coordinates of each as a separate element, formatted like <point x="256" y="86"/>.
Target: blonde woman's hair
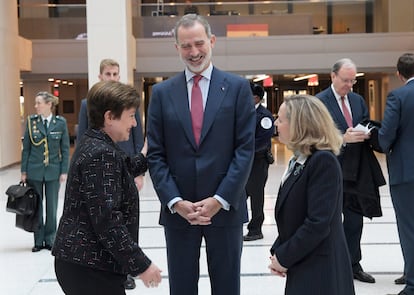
<point x="311" y="125"/>
<point x="48" y="97"/>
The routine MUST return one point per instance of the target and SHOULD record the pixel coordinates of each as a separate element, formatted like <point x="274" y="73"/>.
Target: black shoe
<point x="37" y="248"/>
<point x="364" y="277"/>
<point x="400" y="280"/>
<point x="249" y="238"/>
<point x="48" y="247"/>
<point x="129" y="284"/>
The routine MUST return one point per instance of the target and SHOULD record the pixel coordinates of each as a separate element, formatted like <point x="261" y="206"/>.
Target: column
<point x="109" y="27"/>
<point x="401" y="16"/>
<point x="10" y="134"/>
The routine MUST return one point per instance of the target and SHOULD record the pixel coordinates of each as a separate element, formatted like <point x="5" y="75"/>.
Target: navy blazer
<point x="361" y="171"/>
<point x="359" y="108"/>
<point x="396" y="134"/>
<point x="311" y="241"/>
<point x="222" y="161"/>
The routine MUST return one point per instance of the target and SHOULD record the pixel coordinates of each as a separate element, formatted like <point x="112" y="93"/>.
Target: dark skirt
<point x="76" y="279"/>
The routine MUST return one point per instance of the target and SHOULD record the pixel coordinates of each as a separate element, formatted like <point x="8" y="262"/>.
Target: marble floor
<point x="25" y="273"/>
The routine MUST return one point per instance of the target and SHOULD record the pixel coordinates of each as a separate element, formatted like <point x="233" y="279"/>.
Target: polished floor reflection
<point x="23" y="272"/>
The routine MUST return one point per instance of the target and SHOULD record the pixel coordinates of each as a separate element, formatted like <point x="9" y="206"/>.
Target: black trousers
<point x="76" y="279"/>
<point x="353" y="223"/>
<point x="255" y="189"/>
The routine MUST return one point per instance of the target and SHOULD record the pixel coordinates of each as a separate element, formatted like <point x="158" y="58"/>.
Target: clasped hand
<point x="276" y="268"/>
<point x="198" y="213"/>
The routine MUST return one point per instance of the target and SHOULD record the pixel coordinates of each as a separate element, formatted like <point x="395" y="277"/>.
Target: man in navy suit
<point x="200" y="175"/>
<point x="342" y="103"/>
<point x="397" y="141"/>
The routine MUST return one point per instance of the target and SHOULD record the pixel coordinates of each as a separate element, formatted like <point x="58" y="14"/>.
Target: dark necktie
<point x="346" y="113"/>
<point x="196" y="108"/>
<point x="45" y="124"/>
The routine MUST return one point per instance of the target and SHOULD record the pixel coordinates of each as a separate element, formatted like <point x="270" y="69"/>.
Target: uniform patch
<point x="266" y="123"/>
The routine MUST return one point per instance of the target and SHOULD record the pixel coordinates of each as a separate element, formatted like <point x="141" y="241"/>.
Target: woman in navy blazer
<point x="310" y="250"/>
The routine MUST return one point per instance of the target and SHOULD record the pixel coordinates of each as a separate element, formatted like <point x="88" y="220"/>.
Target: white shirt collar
<point x="337" y="96"/>
<point x="412" y="78"/>
<point x="206" y="73"/>
<point x="48" y="118"/>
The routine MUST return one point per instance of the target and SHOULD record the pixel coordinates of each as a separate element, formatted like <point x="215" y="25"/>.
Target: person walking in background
<point x="190" y="8"/>
<point x="311" y="249"/>
<point x="200" y="150"/>
<point x="396" y="139"/>
<point x="109" y="71"/>
<point x="258" y="175"/>
<point x="45" y="161"/>
<point x="362" y="173"/>
<point x="96" y="243"/>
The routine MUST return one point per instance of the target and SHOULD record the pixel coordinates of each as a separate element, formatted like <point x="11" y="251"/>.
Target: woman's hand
<point x="63" y="178"/>
<point x="23" y="177"/>
<point x="151" y="277"/>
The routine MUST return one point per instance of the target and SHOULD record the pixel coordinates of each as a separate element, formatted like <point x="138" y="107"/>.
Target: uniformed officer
<point x="45" y="161"/>
<point x="258" y="175"/>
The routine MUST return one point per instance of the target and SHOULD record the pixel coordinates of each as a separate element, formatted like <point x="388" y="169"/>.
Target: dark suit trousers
<point x="223" y="248"/>
<point x="255" y="189"/>
<point x="353" y="223"/>
<point x="47" y="230"/>
<point x="76" y="279"/>
<point x="403" y="202"/>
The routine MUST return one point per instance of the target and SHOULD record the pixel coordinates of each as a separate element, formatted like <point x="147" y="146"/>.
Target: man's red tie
<point x="346" y="113"/>
<point x="196" y="108"/>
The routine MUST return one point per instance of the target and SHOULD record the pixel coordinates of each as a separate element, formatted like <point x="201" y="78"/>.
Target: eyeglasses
<point x="347" y="81"/>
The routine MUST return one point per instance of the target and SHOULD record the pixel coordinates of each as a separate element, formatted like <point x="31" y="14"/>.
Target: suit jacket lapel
<point x="336" y="111"/>
<point x="40" y="126"/>
<point x="286" y="187"/>
<point x="356" y="110"/>
<point x="216" y="93"/>
<point x="179" y="98"/>
<point x="52" y="124"/>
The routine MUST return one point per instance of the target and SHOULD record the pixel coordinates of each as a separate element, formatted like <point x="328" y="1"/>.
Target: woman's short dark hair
<point x="110" y="96"/>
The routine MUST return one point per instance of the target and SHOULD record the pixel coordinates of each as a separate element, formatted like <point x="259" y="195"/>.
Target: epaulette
<point x="34" y="116"/>
<point x="60" y="118"/>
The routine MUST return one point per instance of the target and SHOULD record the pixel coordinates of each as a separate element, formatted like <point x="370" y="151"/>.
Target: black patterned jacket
<point x="99" y="224"/>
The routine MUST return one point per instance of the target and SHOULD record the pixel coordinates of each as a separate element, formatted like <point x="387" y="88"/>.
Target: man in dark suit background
<point x="397" y="141"/>
<point x="255" y="187"/>
<point x="200" y="149"/>
<point x="347" y="109"/>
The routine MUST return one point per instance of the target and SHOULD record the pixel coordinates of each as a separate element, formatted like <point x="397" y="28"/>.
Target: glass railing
<point x="156" y="19"/>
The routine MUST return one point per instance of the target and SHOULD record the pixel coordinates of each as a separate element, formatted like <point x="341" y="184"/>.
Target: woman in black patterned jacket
<point x="96" y="243"/>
